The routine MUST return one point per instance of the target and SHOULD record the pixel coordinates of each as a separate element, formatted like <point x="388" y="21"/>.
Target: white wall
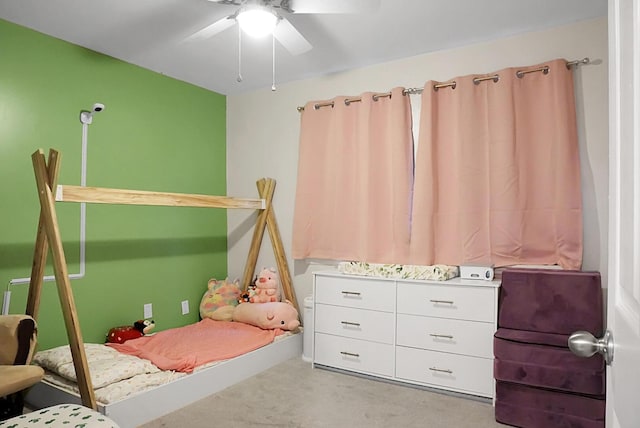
<point x="263" y="129"/>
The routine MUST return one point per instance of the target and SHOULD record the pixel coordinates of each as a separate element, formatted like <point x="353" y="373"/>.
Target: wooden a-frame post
<point x="48" y="237"/>
<point x="42" y="246"/>
<point x="46" y="177"/>
<point x="266" y="218"/>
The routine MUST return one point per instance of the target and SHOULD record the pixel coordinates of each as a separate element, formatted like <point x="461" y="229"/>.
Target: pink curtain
<point x="497" y="171"/>
<point x="355" y="176"/>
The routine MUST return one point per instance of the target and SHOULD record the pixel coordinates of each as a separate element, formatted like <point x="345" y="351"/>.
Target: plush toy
<point x="267" y="287"/>
<point x="270" y="315"/>
<point x="127" y="332"/>
<point x="220" y="299"/>
<point x="247" y="295"/>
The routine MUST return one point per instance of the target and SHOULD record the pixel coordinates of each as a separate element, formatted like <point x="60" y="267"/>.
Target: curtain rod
<point x="452" y="84"/>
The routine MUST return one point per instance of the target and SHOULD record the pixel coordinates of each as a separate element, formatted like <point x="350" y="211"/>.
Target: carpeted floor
<point x="294" y="395"/>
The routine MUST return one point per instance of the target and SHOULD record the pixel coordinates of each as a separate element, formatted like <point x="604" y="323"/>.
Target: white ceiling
<point x="152" y="33"/>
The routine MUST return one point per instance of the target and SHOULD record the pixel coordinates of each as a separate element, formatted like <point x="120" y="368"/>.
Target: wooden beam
<point x="42" y="246"/>
<point x="65" y="294"/>
<point x="100" y="195"/>
<point x="258" y="232"/>
<point x="278" y="248"/>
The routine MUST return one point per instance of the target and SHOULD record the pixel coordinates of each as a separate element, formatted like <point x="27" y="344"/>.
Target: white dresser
<point x="431" y="333"/>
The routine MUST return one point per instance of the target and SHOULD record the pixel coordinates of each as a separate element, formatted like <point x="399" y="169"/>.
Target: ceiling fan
<point x="251" y="15"/>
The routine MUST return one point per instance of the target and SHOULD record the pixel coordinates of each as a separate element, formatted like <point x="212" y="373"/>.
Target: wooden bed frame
<point x="161" y="400"/>
<point x="49" y="236"/>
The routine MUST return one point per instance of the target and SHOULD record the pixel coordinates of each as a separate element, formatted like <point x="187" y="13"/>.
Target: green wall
<point x="156" y="133"/>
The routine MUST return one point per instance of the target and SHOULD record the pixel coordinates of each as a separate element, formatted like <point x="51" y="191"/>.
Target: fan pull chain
<point x="239" y="78"/>
<point x="273" y="61"/>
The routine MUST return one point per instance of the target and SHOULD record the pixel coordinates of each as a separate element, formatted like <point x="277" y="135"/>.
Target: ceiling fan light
<point x="257" y="21"/>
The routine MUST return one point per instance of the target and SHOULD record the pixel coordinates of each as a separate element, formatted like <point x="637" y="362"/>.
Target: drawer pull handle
<point x="355" y="324"/>
<point x="350" y="354"/>
<point x="443" y="336"/>
<point x="434" y="369"/>
<point x="351" y="293"/>
<point x="448" y="302"/>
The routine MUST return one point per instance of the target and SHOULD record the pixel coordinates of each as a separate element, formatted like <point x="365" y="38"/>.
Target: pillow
<point x="106" y="365"/>
<point x="220" y="300"/>
<point x="268" y="316"/>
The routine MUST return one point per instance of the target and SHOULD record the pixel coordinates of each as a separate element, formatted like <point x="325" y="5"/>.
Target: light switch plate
<point x="148" y="310"/>
<point x="185" y="307"/>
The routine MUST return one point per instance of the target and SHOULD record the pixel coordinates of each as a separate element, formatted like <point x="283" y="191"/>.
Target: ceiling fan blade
<point x="334" y="6"/>
<point x="291" y="38"/>
<point x="213" y="29"/>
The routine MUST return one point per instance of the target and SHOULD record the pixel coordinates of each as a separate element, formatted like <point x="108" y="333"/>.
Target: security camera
<point x="86" y="117"/>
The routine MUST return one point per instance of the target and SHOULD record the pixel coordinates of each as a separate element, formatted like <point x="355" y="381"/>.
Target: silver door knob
<point x="585" y="344"/>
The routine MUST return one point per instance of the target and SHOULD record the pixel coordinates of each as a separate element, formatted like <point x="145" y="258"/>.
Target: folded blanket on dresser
<point x="432" y="272"/>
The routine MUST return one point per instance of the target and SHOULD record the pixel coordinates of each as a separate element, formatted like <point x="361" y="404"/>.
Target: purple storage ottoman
<point x="539" y="382"/>
<point x="524" y="406"/>
<point x="551" y="301"/>
<point x="547" y="366"/>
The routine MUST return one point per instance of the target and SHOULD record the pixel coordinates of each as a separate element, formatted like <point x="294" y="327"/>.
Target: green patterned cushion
<point x="62" y="415"/>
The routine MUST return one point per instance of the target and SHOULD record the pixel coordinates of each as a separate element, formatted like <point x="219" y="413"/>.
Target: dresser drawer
<point x="353" y="354"/>
<point x="456" y="372"/>
<point x="355" y="323"/>
<point x="448" y="335"/>
<point x="355" y="292"/>
<point x="453" y="301"/>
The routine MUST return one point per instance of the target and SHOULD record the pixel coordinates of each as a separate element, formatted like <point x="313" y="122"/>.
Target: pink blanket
<point x="184" y="348"/>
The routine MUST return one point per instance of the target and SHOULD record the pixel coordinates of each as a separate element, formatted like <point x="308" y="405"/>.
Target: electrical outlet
<point x="185" y="307"/>
<point x="148" y="310"/>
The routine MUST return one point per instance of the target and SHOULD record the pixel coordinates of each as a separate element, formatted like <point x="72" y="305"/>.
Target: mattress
<point x="142" y="406"/>
<point x="115" y="376"/>
<point x="432" y="272"/>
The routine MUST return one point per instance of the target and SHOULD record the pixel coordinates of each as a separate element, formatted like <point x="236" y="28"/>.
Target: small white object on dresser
<point x="437" y="334"/>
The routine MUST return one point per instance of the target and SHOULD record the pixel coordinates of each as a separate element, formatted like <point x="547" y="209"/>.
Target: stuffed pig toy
<point x="267" y="287"/>
<point x="268" y="315"/>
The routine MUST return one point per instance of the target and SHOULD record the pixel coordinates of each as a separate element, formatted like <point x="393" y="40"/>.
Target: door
<point x="623" y="307"/>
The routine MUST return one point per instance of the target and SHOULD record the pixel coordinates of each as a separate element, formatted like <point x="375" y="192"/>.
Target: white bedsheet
<point x="121" y="389"/>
